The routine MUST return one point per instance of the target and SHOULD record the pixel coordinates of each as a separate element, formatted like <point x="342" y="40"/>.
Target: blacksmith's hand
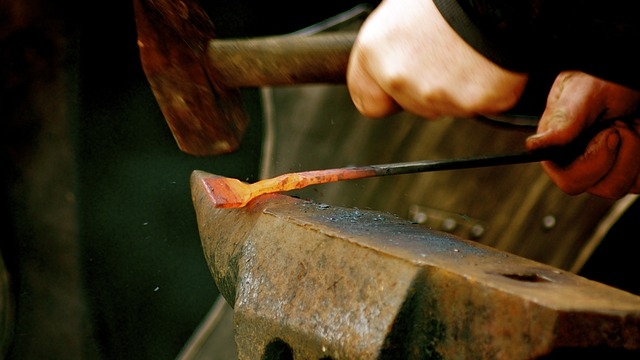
<point x="610" y="165"/>
<point x="407" y="57"/>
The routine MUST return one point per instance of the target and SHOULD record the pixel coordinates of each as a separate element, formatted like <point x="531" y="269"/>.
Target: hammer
<point x="196" y="78"/>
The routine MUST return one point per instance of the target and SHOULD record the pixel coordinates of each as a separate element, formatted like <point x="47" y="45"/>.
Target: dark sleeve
<point x="601" y="38"/>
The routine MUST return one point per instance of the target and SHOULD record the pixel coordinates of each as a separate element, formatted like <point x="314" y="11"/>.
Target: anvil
<point x="315" y="281"/>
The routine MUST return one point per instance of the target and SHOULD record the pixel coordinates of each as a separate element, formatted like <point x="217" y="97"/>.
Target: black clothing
<point x="595" y="37"/>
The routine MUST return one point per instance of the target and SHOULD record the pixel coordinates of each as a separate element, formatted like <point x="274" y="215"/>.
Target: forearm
<point x="526" y="36"/>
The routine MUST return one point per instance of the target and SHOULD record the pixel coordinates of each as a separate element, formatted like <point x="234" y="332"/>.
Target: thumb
<point x="555" y="128"/>
<point x="570" y="110"/>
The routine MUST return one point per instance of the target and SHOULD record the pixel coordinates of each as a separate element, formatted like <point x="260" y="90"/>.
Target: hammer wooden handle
<point x="280" y="60"/>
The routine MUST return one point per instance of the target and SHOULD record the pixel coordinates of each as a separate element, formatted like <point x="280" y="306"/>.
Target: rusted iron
<point x="313" y="281"/>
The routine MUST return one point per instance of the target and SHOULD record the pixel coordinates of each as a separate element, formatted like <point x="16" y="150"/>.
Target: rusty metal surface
<point x="318" y="281"/>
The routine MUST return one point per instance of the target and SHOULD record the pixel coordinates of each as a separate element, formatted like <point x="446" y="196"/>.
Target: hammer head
<point x="204" y="118"/>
